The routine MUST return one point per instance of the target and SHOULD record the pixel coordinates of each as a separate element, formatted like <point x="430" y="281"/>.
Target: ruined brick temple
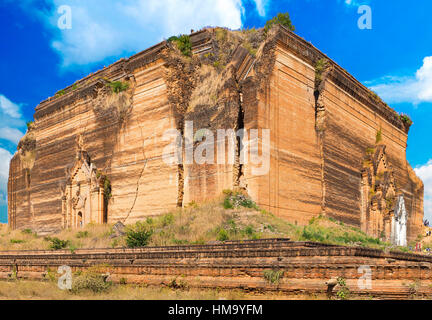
<point x="95" y="150"/>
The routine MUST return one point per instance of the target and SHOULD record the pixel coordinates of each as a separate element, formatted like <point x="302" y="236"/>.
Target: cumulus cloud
<point x="119" y="28"/>
<point x="11" y="120"/>
<point x="413" y="89"/>
<point x="261" y="6"/>
<point x="11" y="134"/>
<point x="5" y="157"/>
<point x="425" y="173"/>
<point x="9" y="108"/>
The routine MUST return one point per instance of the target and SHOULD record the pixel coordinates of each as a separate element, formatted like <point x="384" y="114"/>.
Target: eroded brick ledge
<point x="307" y="267"/>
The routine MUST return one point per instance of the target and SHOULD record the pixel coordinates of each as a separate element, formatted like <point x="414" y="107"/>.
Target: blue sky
<point x="37" y="58"/>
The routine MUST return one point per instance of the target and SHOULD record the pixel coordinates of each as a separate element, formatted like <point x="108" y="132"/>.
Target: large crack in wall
<point x="322" y="71"/>
<point x="181" y="80"/>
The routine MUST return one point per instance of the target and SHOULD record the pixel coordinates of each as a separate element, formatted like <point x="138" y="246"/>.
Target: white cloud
<point x="11" y="134"/>
<point x="414" y="89"/>
<point x="11" y="120"/>
<point x="425" y="173"/>
<point x="3" y="199"/>
<point x="119" y="28"/>
<point x="356" y="3"/>
<point x="5" y="157"/>
<point x="261" y="6"/>
<point x="9" y="108"/>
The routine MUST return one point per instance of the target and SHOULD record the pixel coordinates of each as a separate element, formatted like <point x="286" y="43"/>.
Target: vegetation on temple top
<point x="30" y="125"/>
<point x="282" y="19"/>
<point x="183" y="43"/>
<point x="320" y="67"/>
<point x="406" y="119"/>
<point x="118" y="86"/>
<point x="60" y="93"/>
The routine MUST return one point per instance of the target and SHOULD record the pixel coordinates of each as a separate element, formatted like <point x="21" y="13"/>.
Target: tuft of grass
<point x="16" y="241"/>
<point x="236" y="199"/>
<point x="27" y="231"/>
<point x="30" y="125"/>
<point x="273" y="276"/>
<point x="378" y="137"/>
<point x="406" y="119"/>
<point x="82" y="234"/>
<point x="370" y="151"/>
<point x="60" y="93"/>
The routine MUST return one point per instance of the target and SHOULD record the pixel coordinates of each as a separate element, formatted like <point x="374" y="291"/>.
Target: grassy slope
<point x="199" y="225"/>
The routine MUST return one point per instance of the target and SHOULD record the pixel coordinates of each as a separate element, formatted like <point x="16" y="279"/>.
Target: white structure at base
<point x="399" y="223"/>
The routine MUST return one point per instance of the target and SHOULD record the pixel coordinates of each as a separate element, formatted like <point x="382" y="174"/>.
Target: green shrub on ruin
<point x="30" y="125"/>
<point x="222" y="235"/>
<point x="118" y="86"/>
<point x="138" y="235"/>
<point x="60" y="93"/>
<point x="249" y="231"/>
<point x="56" y="243"/>
<point x="343" y="291"/>
<point x="320" y="67"/>
<point x="183" y="43"/>
<point x="282" y="19"/>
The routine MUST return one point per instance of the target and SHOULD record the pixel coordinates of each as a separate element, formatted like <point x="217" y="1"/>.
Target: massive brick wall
<point x="319" y="137"/>
<point x="316" y="167"/>
<point x="129" y="154"/>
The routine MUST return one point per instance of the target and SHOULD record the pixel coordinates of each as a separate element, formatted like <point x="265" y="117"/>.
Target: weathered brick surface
<point x="318" y="139"/>
<point x="306" y="266"/>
